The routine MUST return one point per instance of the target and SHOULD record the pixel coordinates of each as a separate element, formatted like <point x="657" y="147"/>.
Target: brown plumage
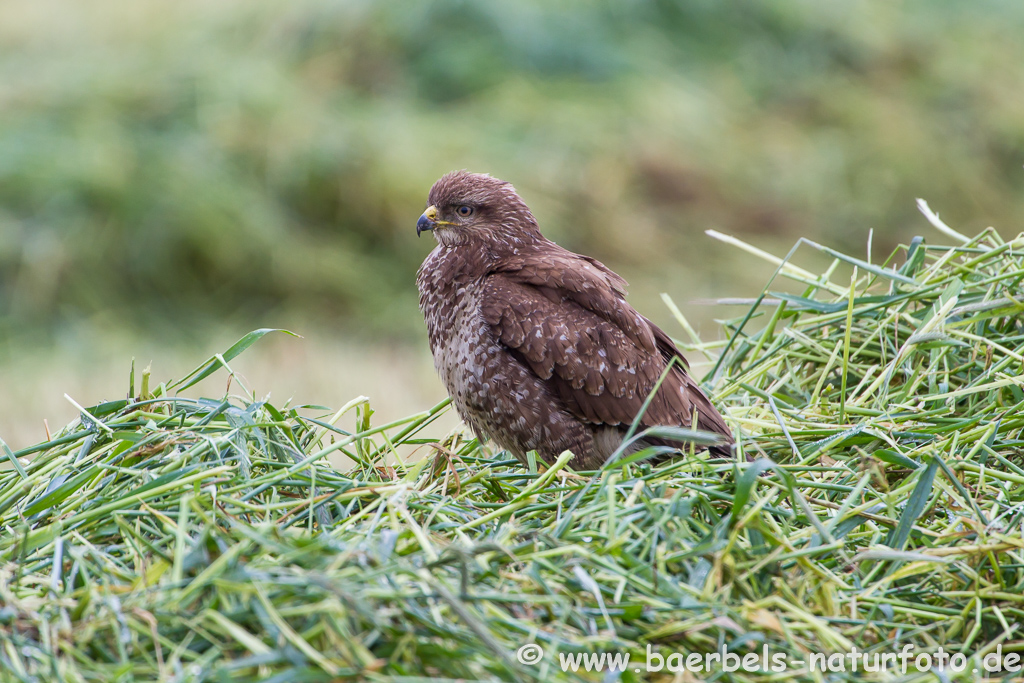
<point x="536" y="345"/>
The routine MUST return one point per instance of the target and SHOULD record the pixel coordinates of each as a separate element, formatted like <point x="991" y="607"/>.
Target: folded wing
<point x="565" y="317"/>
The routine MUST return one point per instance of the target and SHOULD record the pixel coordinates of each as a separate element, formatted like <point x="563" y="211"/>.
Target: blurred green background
<point x="174" y="174"/>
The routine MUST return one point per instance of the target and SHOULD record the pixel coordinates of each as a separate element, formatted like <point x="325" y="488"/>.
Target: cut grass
<point x="171" y="538"/>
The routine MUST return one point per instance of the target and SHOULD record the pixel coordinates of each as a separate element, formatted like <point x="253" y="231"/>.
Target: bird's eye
<point x="465" y="210"/>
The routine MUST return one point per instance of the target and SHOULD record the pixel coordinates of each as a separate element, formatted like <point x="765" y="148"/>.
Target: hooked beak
<point x="427" y="221"/>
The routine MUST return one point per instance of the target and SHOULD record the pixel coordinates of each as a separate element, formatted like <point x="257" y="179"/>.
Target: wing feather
<point x="568" y="321"/>
<point x="562" y="275"/>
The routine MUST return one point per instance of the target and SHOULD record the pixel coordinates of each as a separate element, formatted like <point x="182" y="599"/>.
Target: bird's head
<point x="465" y="207"/>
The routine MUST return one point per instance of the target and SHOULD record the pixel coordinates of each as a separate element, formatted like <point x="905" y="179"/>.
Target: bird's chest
<point x="460" y="340"/>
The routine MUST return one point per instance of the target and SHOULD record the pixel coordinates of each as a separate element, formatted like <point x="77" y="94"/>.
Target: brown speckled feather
<point x="598" y="354"/>
<point x="536" y="345"/>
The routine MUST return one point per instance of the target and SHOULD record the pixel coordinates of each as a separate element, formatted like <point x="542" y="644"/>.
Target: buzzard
<point x="536" y="345"/>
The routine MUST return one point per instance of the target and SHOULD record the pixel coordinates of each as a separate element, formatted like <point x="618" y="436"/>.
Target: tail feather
<point x="708" y="418"/>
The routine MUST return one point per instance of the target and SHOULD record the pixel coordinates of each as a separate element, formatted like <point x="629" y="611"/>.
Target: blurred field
<point x="398" y="379"/>
<point x="166" y="168"/>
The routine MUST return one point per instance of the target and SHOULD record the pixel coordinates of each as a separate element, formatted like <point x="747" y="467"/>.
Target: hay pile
<point x="171" y="538"/>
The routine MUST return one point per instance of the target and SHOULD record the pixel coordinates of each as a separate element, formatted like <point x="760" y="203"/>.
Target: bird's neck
<point x="449" y="269"/>
<point x="452" y="266"/>
<point x="469" y="260"/>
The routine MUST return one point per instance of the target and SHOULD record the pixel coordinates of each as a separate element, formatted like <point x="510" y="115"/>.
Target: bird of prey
<point x="536" y="345"/>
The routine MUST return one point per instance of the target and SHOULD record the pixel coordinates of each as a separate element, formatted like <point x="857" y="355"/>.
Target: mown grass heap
<point x="171" y="538"/>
